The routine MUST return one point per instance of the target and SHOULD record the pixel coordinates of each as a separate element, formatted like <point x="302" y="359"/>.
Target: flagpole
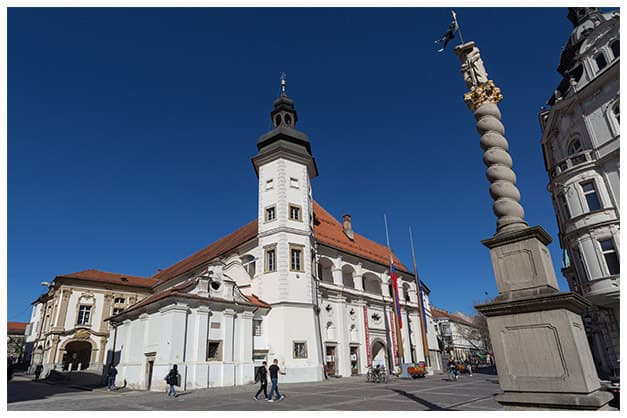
<point x="423" y="319"/>
<point x="459" y="29"/>
<point x="399" y="337"/>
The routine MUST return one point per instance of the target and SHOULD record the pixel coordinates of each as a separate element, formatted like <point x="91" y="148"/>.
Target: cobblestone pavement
<point x="435" y="393"/>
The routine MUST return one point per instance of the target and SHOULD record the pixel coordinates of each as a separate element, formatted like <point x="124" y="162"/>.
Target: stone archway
<point x="379" y="353"/>
<point x="77" y="355"/>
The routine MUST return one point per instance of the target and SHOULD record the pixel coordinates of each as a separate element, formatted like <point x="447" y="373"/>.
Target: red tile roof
<point x="441" y="313"/>
<point x="115" y="278"/>
<point x="16" y="327"/>
<point x="218" y="248"/>
<point x="329" y="231"/>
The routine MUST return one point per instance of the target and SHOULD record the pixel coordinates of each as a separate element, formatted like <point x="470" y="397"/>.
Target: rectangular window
<point x="83" y="315"/>
<point x="257" y="327"/>
<point x="269" y="184"/>
<point x="214" y="350"/>
<point x="565" y="208"/>
<point x="270" y="214"/>
<point x="271" y="259"/>
<point x="296" y="259"/>
<point x="294" y="182"/>
<point x="610" y="255"/>
<point x="295" y="214"/>
<point x="300" y="349"/>
<point x="117" y="310"/>
<point x="590" y="192"/>
<point x="118" y="300"/>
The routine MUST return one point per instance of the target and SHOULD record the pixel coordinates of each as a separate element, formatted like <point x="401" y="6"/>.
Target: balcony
<point x="571" y="162"/>
<point x="604" y="291"/>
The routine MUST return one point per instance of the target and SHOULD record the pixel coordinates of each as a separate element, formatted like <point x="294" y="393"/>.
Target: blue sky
<point x="130" y="132"/>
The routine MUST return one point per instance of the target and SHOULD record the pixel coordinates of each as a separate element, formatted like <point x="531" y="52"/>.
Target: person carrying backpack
<point x="172" y="379"/>
<point x="262" y="377"/>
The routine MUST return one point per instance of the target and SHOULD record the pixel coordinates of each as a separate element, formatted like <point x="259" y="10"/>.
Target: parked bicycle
<point x="377" y="374"/>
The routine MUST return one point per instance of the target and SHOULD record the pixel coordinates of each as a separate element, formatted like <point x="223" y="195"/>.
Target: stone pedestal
<point x="540" y="346"/>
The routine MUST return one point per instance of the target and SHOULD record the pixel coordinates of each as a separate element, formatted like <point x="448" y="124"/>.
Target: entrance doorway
<point x="354" y="360"/>
<point x="150" y="365"/>
<point x="77" y="355"/>
<point x="379" y="356"/>
<point x="330" y="360"/>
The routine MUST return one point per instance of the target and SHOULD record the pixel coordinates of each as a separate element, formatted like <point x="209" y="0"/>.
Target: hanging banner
<point x="367" y="334"/>
<point x="395" y="346"/>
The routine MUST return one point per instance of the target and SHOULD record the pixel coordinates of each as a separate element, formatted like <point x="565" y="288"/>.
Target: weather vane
<point x="283" y="83"/>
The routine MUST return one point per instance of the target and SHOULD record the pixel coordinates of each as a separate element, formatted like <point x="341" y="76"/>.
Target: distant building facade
<point x="581" y="145"/>
<point x="67" y="330"/>
<point x="459" y="337"/>
<point x="16" y="344"/>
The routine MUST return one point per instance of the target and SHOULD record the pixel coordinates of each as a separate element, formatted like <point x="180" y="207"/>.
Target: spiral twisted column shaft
<point x="482" y="99"/>
<point x="507" y="208"/>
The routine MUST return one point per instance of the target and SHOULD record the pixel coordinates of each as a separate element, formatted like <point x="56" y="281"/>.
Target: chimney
<point x="348" y="227"/>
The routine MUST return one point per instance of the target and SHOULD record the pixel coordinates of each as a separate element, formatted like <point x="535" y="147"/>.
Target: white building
<point x="581" y="144"/>
<point x="294" y="285"/>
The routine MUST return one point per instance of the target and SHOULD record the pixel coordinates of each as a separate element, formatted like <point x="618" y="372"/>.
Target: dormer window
<point x="601" y="61"/>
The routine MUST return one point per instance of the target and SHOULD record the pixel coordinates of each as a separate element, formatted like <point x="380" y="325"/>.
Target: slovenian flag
<point x="395" y="288"/>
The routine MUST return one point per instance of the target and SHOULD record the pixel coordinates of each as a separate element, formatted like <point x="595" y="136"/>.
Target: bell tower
<point x="285" y="166"/>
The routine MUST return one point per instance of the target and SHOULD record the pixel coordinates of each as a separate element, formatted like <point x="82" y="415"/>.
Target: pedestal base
<point x="534" y="401"/>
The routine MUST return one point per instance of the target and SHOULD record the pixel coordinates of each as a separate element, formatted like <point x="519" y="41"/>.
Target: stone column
<point x="540" y="347"/>
<point x="337" y="276"/>
<point x="227" y="344"/>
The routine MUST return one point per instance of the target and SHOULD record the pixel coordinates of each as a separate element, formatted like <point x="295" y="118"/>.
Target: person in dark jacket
<point x="274" y="378"/>
<point x="262" y="378"/>
<point x="172" y="379"/>
<point x="111" y="373"/>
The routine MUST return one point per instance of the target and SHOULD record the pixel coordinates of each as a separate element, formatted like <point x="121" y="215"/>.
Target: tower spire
<point x="283" y="84"/>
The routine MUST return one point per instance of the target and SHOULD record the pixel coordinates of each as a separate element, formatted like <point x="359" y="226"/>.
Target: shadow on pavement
<point x="19" y="390"/>
<point x="424" y="402"/>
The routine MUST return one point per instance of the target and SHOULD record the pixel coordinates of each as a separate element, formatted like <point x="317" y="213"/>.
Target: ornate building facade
<point x="67" y="329"/>
<point x="581" y="145"/>
<point x="294" y="285"/>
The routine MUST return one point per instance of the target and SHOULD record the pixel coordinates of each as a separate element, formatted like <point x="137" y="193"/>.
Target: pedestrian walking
<point x="452" y="369"/>
<point x="111" y="374"/>
<point x="262" y="377"/>
<point x="172" y="379"/>
<point x="469" y="367"/>
<point x="274" y="378"/>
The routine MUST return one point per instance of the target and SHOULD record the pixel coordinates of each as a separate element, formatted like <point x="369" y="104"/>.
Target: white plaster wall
<point x="287" y="324"/>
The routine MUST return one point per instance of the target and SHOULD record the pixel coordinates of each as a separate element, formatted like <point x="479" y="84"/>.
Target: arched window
<point x="372" y="284"/>
<point x="601" y="61"/>
<point x="406" y="292"/>
<point x="574" y="147"/>
<point x="347" y="276"/>
<point x="325" y="270"/>
<point x="248" y="262"/>
<point x="615" y="46"/>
